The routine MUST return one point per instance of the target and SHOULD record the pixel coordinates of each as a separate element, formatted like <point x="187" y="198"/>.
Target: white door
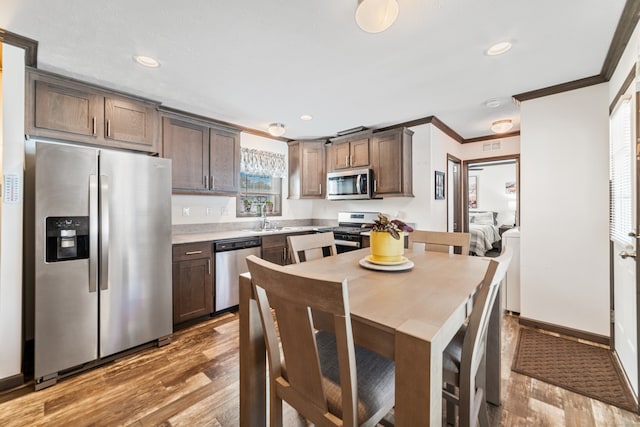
<point x="624" y="330"/>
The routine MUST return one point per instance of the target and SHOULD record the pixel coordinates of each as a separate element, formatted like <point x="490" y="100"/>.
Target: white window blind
<point x="620" y="173"/>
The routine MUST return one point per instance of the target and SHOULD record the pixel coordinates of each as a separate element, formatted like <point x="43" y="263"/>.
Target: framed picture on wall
<point x="439" y="185"/>
<point x="473" y="192"/>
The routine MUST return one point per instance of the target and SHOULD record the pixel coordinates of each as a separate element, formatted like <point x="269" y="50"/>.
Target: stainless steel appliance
<point x="231" y="262"/>
<point x="351" y="225"/>
<point x="351" y="184"/>
<point x="97" y="253"/>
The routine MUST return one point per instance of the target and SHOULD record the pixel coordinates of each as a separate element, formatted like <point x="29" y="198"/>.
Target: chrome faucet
<point x="265" y="221"/>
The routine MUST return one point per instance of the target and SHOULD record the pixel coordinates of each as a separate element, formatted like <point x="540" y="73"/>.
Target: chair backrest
<point x="293" y="298"/>
<point x="475" y="339"/>
<point x="441" y="241"/>
<point x="311" y="246"/>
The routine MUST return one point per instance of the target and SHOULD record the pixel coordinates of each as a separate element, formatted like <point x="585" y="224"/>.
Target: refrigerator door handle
<point x="104" y="232"/>
<point x="93" y="233"/>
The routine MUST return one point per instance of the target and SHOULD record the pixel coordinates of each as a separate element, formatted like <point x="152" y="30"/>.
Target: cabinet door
<point x="66" y="109"/>
<point x="313" y="175"/>
<point x="340" y="154"/>
<point x="359" y="153"/>
<point x="129" y="122"/>
<point x="187" y="145"/>
<point x="391" y="163"/>
<point x="192" y="289"/>
<point x="274" y="249"/>
<point x="225" y="161"/>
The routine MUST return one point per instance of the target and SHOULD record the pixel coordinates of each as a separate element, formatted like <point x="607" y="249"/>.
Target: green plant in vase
<point x="246" y="204"/>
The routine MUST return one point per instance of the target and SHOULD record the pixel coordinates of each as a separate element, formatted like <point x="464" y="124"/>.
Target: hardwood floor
<point x="194" y="382"/>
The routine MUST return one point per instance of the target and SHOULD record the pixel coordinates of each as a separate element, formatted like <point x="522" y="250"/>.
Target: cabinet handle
<point x="109" y="128"/>
<point x="94" y="125"/>
<point x="284" y="255"/>
<point x="209" y="266"/>
<point x="320" y="185"/>
<point x="193" y="252"/>
<point x="205" y="181"/>
<point x="213" y="180"/>
<point x="375" y="185"/>
<point x="350" y="160"/>
<point x="346" y="160"/>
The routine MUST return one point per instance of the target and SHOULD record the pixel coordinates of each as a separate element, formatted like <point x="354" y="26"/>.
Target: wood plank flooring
<point x="194" y="382"/>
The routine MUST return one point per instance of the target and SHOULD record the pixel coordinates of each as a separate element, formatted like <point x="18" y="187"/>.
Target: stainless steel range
<point x="351" y="225"/>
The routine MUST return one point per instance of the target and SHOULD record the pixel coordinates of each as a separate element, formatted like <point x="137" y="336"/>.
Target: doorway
<point x="491" y="201"/>
<point x="454" y="193"/>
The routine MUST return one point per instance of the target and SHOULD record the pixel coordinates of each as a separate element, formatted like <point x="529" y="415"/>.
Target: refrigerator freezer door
<point x="66" y="305"/>
<point x="135" y="288"/>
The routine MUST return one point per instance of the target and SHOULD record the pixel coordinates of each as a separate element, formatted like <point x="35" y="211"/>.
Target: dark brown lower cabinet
<point x="275" y="248"/>
<point x="192" y="281"/>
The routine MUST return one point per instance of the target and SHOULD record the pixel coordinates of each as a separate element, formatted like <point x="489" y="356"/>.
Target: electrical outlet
<point x="186" y="211"/>
<point x="224" y="211"/>
<point x="209" y="211"/>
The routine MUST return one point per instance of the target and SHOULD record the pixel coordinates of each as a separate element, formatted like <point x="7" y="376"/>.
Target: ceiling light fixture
<point x="375" y="16"/>
<point x="501" y="126"/>
<point x="276" y="129"/>
<point x="306" y="117"/>
<point x="499" y="48"/>
<point x="146" y="61"/>
<point x="492" y="103"/>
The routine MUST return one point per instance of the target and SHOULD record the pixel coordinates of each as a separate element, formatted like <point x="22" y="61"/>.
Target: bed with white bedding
<point x="484" y="231"/>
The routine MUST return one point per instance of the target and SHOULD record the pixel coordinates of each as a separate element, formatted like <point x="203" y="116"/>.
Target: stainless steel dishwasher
<point x="231" y="261"/>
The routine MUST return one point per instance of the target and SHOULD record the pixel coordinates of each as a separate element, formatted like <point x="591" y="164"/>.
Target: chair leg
<point x="481" y="383"/>
<point x="275" y="408"/>
<point x="451" y="407"/>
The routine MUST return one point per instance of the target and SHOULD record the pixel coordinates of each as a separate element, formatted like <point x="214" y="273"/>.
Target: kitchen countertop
<point x="178" y="239"/>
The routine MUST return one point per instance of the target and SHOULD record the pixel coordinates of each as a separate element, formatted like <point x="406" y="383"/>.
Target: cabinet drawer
<point x="189" y="251"/>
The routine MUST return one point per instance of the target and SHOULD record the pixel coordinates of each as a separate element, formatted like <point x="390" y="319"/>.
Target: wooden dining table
<point x="409" y="316"/>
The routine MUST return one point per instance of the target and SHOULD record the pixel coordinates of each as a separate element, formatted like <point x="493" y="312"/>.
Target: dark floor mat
<point x="582" y="368"/>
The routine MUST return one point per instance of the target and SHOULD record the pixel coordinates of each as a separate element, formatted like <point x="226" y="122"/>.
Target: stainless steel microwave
<point x="351" y="184"/>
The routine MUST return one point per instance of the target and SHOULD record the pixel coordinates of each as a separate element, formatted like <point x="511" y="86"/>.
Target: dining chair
<point x="464" y="358"/>
<point x="311" y="246"/>
<point x="441" y="241"/>
<point x="323" y="375"/>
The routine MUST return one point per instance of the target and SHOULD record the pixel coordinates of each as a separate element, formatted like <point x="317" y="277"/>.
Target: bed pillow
<point x="485" y="218"/>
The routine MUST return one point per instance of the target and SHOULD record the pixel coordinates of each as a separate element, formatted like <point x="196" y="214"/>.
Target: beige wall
<point x="564" y="202"/>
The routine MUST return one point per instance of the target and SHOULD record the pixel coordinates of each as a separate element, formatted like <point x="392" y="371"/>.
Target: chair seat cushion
<point x="452" y="357"/>
<point x="375" y="373"/>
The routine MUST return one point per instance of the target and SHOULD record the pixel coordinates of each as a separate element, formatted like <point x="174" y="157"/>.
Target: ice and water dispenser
<point x="67" y="238"/>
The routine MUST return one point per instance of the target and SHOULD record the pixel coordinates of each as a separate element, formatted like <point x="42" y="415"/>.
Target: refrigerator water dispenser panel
<point x="67" y="238"/>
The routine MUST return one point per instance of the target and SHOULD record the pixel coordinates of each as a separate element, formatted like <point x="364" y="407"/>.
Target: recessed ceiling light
<point x="276" y="129"/>
<point x="501" y="126"/>
<point x="499" y="48"/>
<point x="306" y="117"/>
<point x="146" y="61"/>
<point x="492" y="103"/>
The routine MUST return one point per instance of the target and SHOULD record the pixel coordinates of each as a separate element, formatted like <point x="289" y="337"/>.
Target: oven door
<point x="347" y="243"/>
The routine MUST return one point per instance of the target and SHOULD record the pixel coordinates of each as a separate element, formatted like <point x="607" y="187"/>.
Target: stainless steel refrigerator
<point x="98" y="261"/>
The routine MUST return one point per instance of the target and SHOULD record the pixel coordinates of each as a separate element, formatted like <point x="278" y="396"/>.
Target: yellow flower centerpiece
<point x="387" y="239"/>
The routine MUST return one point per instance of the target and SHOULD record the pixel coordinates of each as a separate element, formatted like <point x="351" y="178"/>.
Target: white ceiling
<point x="252" y="62"/>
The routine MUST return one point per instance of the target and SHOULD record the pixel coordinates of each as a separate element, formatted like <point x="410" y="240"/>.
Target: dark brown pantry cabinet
<point x="61" y="108"/>
<point x="306" y="170"/>
<point x="205" y="156"/>
<point x="192" y="281"/>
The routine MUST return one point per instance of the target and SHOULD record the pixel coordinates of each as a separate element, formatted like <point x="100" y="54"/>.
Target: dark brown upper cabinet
<point x="306" y="170"/>
<point x="205" y="157"/>
<point x="349" y="152"/>
<point x="391" y="161"/>
<point x="65" y="109"/>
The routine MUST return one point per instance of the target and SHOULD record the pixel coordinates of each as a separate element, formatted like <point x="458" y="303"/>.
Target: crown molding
<point x="30" y="46"/>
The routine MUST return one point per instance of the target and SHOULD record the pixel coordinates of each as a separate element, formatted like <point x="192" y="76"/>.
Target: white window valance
<point x="267" y="163"/>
